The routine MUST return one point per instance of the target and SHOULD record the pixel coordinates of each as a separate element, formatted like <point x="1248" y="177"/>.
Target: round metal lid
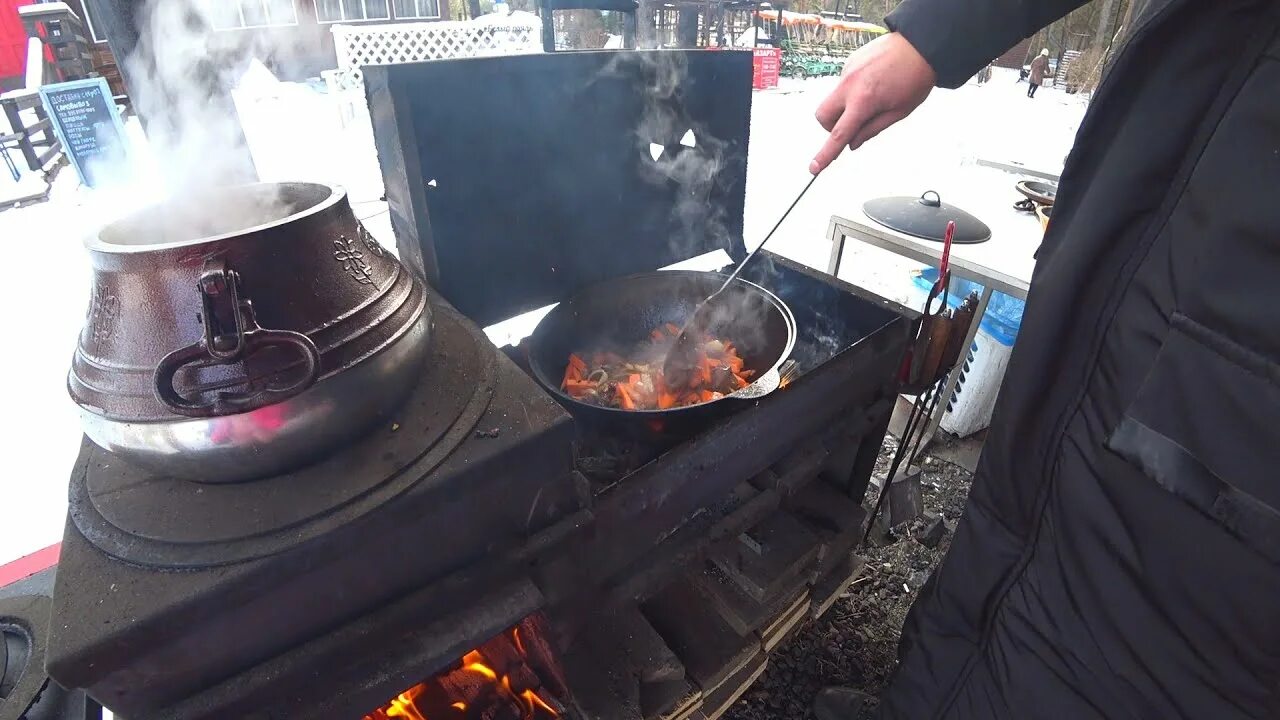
<point x="1042" y="192"/>
<point x="926" y="217"/>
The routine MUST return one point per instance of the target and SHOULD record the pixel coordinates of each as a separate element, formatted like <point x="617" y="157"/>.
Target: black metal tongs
<point x="938" y="344"/>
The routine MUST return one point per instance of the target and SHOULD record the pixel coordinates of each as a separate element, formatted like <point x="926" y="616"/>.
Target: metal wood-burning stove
<point x="480" y="542"/>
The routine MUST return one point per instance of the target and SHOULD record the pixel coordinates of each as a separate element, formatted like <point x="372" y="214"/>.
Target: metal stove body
<point x="324" y="592"/>
<point x="26" y="692"/>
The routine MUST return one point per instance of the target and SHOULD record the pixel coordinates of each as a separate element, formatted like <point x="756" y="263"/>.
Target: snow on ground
<point x="297" y="134"/>
<point x="936" y="148"/>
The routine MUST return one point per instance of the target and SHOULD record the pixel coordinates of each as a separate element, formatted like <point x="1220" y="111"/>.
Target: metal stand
<point x="839" y="230"/>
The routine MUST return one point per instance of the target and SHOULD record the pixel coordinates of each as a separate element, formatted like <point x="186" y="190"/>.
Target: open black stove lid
<point x="926" y="217"/>
<point x="515" y="181"/>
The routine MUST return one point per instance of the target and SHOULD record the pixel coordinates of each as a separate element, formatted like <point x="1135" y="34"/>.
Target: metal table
<point x="1003" y="263"/>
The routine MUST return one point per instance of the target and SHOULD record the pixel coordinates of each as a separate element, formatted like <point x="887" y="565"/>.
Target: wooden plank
<point x="782" y="628"/>
<point x="829" y="588"/>
<point x="685" y="709"/>
<point x="720" y="702"/>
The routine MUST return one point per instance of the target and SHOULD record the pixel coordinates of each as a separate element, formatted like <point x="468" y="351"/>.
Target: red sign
<point x="30" y="565"/>
<point x="767" y="67"/>
<point x="13" y="41"/>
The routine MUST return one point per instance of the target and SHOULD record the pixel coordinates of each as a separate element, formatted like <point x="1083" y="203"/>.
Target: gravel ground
<point x="856" y="642"/>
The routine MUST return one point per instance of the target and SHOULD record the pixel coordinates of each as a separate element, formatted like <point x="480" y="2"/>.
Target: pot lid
<point x="1042" y="192"/>
<point x="926" y="217"/>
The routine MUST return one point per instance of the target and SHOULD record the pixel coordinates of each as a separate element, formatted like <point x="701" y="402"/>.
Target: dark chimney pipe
<point x="123" y="21"/>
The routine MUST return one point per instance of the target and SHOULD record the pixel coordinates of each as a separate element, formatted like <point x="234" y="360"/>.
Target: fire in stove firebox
<point x="509" y="677"/>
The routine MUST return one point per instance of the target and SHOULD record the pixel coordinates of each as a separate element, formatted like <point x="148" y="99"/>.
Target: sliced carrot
<point x="625" y="398"/>
<point x="666" y="400"/>
<point x="577" y="362"/>
<point x="570" y="375"/>
<point x="706" y="396"/>
<point x="657" y="335"/>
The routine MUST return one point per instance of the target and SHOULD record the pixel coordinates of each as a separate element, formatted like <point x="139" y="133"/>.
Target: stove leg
<point x="865" y="461"/>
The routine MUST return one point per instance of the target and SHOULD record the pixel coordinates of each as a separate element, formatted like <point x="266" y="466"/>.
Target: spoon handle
<point x="747" y="260"/>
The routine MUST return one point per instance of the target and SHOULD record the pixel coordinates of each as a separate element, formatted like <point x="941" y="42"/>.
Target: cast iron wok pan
<point x="619" y="314"/>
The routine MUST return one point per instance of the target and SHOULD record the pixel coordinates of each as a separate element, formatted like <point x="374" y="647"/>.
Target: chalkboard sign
<point x="86" y="122"/>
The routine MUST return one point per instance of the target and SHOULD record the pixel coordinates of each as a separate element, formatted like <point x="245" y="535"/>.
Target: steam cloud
<point x="683" y="152"/>
<point x="179" y="75"/>
<point x="691" y="159"/>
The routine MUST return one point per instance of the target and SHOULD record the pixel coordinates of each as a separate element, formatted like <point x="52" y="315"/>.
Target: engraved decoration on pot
<point x="103" y="309"/>
<point x="352" y="259"/>
<point x="244" y="332"/>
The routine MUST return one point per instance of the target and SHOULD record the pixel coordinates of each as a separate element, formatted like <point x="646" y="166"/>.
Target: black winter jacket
<point x="1120" y="552"/>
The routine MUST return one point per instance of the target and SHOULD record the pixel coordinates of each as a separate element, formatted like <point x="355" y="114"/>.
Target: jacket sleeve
<point x="958" y="37"/>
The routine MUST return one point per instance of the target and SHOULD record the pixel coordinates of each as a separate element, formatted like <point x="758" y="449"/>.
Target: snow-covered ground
<point x="936" y="148"/>
<point x="296" y="134"/>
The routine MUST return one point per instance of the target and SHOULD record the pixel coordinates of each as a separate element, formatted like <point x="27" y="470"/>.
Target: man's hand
<point x="882" y="83"/>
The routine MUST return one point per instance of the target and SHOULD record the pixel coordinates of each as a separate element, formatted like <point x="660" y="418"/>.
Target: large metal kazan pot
<point x="244" y="331"/>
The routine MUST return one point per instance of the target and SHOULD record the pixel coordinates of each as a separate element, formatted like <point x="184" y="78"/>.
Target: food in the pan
<point x="635" y="381"/>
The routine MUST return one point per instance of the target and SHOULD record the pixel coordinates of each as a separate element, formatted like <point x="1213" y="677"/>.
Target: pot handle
<point x="231" y="334"/>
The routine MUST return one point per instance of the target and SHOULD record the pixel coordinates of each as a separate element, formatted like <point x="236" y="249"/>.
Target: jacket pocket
<point x="1206" y="426"/>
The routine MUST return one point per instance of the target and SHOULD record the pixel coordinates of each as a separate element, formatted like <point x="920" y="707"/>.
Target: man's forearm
<point x="958" y="37"/>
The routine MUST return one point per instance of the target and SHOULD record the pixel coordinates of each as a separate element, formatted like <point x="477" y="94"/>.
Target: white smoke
<point x="691" y="158"/>
<point x="682" y="153"/>
<point x="179" y="80"/>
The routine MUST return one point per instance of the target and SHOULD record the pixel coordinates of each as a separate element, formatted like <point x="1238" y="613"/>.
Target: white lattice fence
<point x="357" y="46"/>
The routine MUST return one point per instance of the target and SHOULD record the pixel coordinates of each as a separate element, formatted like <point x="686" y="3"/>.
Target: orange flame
<point x="515" y="638"/>
<point x="536" y="702"/>
<point x="403" y="705"/>
<point x="533" y="706"/>
<point x="481" y="669"/>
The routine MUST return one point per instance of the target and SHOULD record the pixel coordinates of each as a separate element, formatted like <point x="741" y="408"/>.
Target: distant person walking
<point x="1039" y="69"/>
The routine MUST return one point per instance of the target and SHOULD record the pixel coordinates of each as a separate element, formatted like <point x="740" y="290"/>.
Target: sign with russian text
<point x="86" y="121"/>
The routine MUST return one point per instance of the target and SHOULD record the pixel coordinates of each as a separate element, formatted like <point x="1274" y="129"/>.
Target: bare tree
<point x="1105" y="15"/>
